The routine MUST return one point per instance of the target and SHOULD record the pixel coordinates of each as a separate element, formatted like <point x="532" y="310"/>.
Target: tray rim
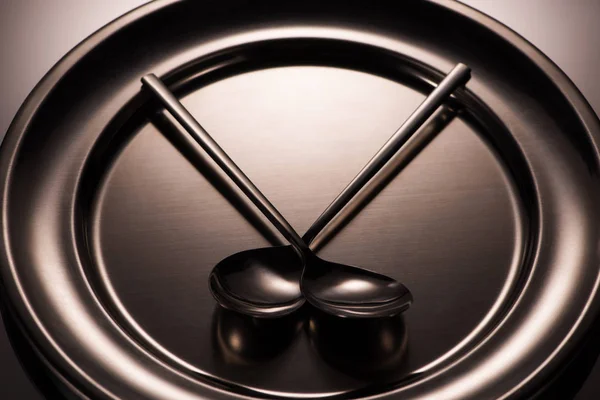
<point x="36" y="99"/>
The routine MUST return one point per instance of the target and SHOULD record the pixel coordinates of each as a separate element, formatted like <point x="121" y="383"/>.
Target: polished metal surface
<point x="346" y="291"/>
<point x="529" y="283"/>
<point x="254" y="282"/>
<point x="223" y="160"/>
<point x="261" y="282"/>
<point x="459" y="75"/>
<point x="260" y="285"/>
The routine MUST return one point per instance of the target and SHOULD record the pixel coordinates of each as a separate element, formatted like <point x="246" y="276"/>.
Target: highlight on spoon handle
<point x="189" y="123"/>
<point x="459" y="76"/>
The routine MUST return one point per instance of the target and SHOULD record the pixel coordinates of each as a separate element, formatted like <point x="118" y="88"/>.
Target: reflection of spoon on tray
<point x="265" y="282"/>
<point x="362" y="348"/>
<point x="245" y="341"/>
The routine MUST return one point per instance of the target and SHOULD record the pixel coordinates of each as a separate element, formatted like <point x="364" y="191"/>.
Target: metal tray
<point x="109" y="231"/>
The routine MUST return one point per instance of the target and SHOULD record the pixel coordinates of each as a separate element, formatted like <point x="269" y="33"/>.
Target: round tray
<point x="111" y="224"/>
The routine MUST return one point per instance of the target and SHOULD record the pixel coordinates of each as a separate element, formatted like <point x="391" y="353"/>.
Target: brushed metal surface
<point x="161" y="226"/>
<point x="561" y="270"/>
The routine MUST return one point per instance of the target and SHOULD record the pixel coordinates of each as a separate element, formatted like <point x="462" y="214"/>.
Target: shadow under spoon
<point x="272" y="282"/>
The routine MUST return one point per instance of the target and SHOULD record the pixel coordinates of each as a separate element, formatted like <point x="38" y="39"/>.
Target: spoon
<point x="264" y="282"/>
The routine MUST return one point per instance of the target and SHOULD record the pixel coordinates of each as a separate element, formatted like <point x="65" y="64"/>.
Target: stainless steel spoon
<point x="265" y="282"/>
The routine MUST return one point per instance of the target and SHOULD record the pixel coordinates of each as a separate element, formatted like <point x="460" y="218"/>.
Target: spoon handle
<point x="189" y="123"/>
<point x="459" y="75"/>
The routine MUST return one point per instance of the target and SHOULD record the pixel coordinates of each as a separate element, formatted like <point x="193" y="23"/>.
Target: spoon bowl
<point x="346" y="291"/>
<point x="266" y="283"/>
<point x="261" y="282"/>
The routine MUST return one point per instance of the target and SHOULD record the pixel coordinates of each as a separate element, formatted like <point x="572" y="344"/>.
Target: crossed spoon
<point x="275" y="281"/>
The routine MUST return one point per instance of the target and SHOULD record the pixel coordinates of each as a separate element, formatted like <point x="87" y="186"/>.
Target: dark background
<point x="35" y="34"/>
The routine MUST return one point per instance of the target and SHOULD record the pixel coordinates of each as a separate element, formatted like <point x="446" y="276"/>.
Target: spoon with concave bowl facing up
<point x="274" y="281"/>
